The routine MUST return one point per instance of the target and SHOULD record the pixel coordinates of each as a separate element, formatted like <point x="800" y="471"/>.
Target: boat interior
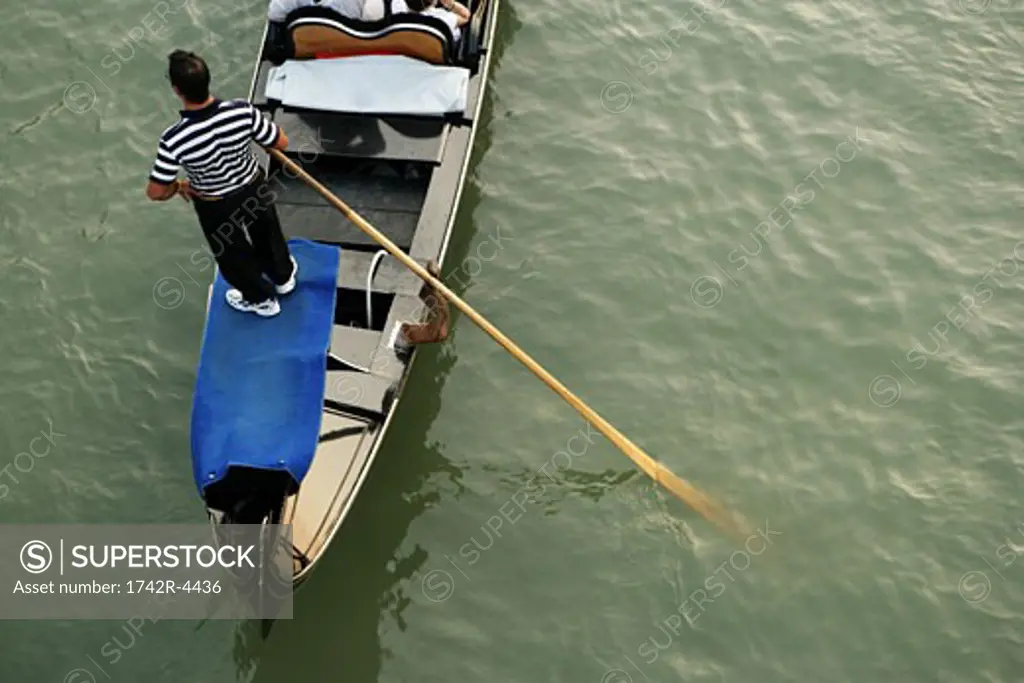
<point x="398" y="156"/>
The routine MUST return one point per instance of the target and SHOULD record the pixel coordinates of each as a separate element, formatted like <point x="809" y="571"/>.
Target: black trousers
<point x="245" y="237"/>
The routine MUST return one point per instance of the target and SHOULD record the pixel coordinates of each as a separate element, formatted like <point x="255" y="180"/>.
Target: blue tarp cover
<point x="260" y="386"/>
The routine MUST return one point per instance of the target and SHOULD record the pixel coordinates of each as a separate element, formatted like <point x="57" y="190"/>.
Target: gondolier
<point x="226" y="186"/>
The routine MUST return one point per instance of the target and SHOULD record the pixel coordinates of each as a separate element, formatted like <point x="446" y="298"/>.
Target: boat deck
<point x="407" y="187"/>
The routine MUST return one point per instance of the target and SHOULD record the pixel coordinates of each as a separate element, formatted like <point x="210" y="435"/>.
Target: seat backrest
<point x="318" y="31"/>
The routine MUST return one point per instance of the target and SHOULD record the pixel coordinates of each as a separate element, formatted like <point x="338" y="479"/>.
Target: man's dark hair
<point x="418" y="5"/>
<point x="188" y="73"/>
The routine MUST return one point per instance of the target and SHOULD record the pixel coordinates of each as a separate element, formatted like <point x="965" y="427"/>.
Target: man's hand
<point x="184" y="190"/>
<point x="161" y="192"/>
<point x="282" y="141"/>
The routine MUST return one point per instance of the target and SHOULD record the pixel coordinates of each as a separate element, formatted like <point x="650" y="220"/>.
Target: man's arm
<point x="265" y="132"/>
<point x="163" y="178"/>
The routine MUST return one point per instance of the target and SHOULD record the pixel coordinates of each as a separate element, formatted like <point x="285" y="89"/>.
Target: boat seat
<point x="393" y="138"/>
<point x="310" y="32"/>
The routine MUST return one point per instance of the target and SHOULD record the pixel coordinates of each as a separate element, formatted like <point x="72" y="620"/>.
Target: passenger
<point x="280" y="9"/>
<point x="450" y="12"/>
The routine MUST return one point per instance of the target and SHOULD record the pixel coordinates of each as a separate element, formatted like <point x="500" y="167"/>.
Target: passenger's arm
<point x="458" y="9"/>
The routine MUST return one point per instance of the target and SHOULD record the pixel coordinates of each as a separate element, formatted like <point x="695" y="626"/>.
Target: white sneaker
<point x="265" y="309"/>
<point x="287" y="287"/>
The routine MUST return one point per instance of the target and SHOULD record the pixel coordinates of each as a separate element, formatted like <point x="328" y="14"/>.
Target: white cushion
<point x="370" y="84"/>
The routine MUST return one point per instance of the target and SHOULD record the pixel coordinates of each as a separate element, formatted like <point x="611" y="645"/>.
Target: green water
<point x="825" y="335"/>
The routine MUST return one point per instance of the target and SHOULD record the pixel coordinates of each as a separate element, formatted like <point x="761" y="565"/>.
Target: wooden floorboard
<point x="360" y="192"/>
<point x="326" y="224"/>
<point x="313" y="133"/>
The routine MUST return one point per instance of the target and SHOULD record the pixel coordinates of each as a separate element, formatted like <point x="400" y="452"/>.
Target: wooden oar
<point x="700" y="502"/>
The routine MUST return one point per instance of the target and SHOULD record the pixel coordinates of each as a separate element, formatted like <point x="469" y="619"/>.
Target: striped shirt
<point x="212" y="146"/>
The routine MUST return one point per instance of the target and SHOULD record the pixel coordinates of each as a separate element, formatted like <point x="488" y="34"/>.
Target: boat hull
<point x="405" y="176"/>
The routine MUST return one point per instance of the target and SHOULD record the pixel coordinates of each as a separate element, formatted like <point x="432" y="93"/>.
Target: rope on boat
<point x="374" y="263"/>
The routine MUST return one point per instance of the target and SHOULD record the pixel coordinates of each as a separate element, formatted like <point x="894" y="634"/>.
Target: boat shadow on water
<point x="339" y="608"/>
<point x="360" y="586"/>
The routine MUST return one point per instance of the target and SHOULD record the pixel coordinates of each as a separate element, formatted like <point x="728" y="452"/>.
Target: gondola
<point x="384" y="114"/>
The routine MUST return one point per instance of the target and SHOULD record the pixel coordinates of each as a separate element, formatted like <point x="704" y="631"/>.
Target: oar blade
<point x="726" y="520"/>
